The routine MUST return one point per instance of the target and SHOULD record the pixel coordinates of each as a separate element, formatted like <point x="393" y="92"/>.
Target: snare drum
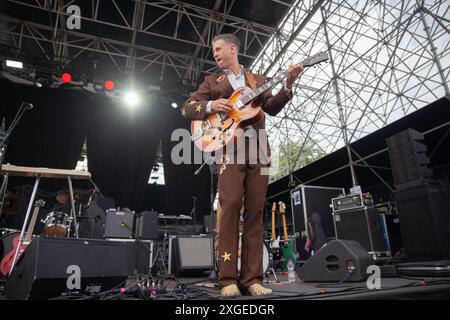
<point x="56" y="224"/>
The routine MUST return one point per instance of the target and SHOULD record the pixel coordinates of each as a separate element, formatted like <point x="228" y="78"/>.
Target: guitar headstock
<point x="39" y="203"/>
<point x="281" y="207"/>
<point x="315" y="59"/>
<point x="274" y="207"/>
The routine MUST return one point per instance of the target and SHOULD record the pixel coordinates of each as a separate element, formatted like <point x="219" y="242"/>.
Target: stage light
<point x="174" y="105"/>
<point x="109" y="84"/>
<point x="131" y="98"/>
<point x="66" y="77"/>
<point x="14" y="64"/>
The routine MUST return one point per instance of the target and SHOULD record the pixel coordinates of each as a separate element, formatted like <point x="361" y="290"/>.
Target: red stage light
<point x="66" y="77"/>
<point x="109" y="84"/>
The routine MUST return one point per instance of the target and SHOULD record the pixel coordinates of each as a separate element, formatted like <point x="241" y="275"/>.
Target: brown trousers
<point x="235" y="182"/>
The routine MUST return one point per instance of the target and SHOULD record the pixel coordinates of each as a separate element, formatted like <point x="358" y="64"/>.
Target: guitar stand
<point x="160" y="256"/>
<point x="271" y="270"/>
<point x="267" y="274"/>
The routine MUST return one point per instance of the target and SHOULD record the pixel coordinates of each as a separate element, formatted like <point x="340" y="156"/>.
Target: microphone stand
<point x="210" y="161"/>
<point x="136" y="272"/>
<point x="193" y="213"/>
<point x="4" y="145"/>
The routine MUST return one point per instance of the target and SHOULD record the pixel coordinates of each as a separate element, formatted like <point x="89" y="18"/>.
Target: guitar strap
<point x="251" y="81"/>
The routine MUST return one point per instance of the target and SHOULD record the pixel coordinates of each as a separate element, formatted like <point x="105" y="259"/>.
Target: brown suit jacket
<point x="217" y="86"/>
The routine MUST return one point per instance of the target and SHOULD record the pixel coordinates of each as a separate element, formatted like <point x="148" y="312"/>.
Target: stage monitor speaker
<point x="190" y="255"/>
<point x="339" y="260"/>
<point x="147" y="225"/>
<point x="50" y="267"/>
<point x="92" y="224"/>
<point x="119" y="224"/>
<point x="105" y="203"/>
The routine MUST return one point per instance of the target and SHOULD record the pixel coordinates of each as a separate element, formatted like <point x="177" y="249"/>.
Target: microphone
<point x="27" y="105"/>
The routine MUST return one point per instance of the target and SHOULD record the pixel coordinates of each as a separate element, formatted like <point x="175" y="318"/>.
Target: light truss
<point x="140" y="24"/>
<point x="390" y="58"/>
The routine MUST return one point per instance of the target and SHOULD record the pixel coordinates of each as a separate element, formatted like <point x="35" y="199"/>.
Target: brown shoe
<point x="230" y="290"/>
<point x="257" y="289"/>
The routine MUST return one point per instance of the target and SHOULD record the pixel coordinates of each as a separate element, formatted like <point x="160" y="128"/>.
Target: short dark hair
<point x="228" y="38"/>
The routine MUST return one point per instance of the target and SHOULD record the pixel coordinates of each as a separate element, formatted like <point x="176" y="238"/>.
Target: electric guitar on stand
<point x="288" y="251"/>
<point x="274" y="240"/>
<point x="6" y="264"/>
<point x="220" y="128"/>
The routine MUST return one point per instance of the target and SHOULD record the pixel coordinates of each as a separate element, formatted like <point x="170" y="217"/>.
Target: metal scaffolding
<point x="173" y="35"/>
<point x="389" y="57"/>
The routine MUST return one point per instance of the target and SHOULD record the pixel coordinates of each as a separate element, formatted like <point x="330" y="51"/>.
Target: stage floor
<point x="390" y="288"/>
<point x="416" y="288"/>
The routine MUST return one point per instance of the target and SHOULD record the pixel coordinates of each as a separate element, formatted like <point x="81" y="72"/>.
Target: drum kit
<point x="56" y="223"/>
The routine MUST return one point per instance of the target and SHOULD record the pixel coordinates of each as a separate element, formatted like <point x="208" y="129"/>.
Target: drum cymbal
<point x="79" y="195"/>
<point x="11" y="205"/>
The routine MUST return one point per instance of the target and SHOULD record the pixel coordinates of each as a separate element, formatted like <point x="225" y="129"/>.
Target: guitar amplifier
<point x="190" y="255"/>
<point x="119" y="224"/>
<point x="351" y="201"/>
<point x="362" y="225"/>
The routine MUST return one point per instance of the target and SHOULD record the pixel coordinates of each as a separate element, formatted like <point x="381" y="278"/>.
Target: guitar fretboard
<point x="308" y="62"/>
<point x="269" y="84"/>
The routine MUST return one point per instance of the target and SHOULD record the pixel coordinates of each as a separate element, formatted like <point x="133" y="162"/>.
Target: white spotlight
<point x="131" y="99"/>
<point x="174" y="105"/>
<point x="14" y="64"/>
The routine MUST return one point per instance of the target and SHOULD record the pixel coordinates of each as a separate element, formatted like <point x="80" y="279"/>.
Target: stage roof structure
<point x="388" y="58"/>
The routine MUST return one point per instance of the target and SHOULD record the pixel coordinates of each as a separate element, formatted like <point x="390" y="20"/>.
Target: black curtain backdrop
<point x="50" y="135"/>
<point x="181" y="183"/>
<point x="121" y="146"/>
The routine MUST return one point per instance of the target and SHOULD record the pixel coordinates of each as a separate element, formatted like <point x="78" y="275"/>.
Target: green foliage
<point x="284" y="162"/>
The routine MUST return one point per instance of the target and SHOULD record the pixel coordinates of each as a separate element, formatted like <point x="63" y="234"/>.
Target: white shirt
<point x="236" y="81"/>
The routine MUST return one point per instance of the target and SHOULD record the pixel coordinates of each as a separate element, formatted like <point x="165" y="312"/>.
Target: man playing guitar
<point x="239" y="179"/>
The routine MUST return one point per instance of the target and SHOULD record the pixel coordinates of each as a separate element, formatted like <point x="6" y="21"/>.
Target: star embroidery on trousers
<point x="192" y="102"/>
<point x="222" y="77"/>
<point x="226" y="257"/>
<point x="198" y="108"/>
<point x="224" y="165"/>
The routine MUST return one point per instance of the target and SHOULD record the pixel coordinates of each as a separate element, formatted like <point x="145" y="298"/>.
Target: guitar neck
<point x="32" y="222"/>
<point x="286" y="237"/>
<point x="263" y="88"/>
<point x="308" y="62"/>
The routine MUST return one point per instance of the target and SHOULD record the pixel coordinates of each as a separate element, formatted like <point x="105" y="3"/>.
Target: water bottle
<point x="291" y="272"/>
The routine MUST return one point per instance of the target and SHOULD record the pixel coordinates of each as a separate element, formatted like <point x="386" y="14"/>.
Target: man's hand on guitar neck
<point x="293" y="73"/>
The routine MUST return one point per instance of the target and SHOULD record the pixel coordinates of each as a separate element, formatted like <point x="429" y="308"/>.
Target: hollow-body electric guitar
<point x="219" y="128"/>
